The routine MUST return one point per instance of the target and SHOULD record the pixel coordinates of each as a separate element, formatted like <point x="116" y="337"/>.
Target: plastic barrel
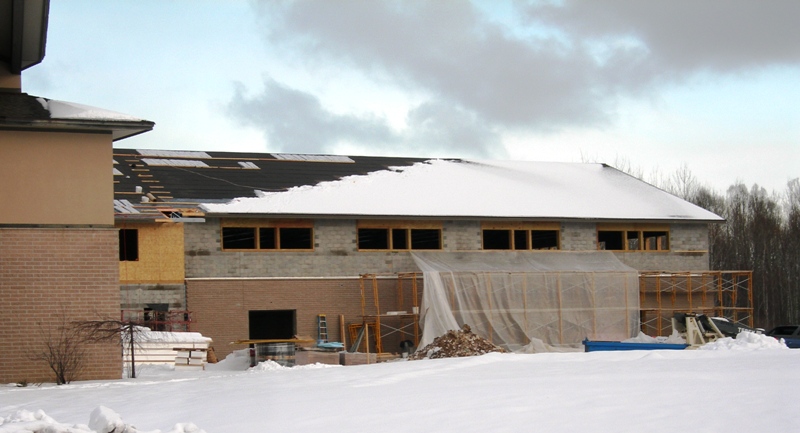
<point x="282" y="353"/>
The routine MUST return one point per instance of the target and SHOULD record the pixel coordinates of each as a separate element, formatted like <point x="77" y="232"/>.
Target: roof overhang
<point x="118" y="130"/>
<point x="23" y="33"/>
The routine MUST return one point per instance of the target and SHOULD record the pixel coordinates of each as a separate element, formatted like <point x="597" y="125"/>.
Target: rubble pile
<point x="456" y="344"/>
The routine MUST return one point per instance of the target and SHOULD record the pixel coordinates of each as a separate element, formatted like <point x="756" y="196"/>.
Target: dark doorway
<point x="272" y="324"/>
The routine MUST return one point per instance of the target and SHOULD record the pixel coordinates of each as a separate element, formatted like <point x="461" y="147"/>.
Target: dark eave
<point x="23" y="112"/>
<point x="23" y="33"/>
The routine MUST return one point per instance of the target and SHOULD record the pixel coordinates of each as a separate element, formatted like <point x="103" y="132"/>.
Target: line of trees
<point x="761" y="233"/>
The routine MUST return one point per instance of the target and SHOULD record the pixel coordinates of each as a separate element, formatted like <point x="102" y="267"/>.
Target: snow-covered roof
<point x="71" y="110"/>
<point x="488" y="189"/>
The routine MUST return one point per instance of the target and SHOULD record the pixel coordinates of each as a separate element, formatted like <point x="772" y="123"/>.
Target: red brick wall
<point x="220" y="306"/>
<point x="45" y="272"/>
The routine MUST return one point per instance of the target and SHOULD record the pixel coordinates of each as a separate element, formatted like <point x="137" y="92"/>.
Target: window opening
<point x="373" y="239"/>
<point x="425" y="239"/>
<point x="521" y="240"/>
<point x="633" y="240"/>
<point x="295" y="238"/>
<point x="238" y="238"/>
<point x="128" y="245"/>
<point x="544" y="239"/>
<point x="272" y="324"/>
<point x="400" y="239"/>
<point x="266" y="238"/>
<point x="499" y="239"/>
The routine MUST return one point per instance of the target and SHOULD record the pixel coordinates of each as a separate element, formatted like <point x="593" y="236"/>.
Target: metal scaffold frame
<point x="404" y="322"/>
<point x="727" y="294"/>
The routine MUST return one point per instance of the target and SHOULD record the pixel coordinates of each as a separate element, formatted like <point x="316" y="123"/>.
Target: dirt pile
<point x="456" y="344"/>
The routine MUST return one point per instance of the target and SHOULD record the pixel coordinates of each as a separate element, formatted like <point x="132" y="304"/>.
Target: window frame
<point x="394" y="233"/>
<point x="636" y="234"/>
<point x="258" y="226"/>
<point x="529" y="227"/>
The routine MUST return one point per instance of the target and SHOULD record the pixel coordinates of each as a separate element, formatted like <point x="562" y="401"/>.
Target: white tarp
<point x="518" y="298"/>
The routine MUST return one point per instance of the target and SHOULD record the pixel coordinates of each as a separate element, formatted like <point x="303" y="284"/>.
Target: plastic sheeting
<point x="523" y="300"/>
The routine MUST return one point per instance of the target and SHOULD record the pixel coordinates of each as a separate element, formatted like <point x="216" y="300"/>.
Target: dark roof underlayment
<point x="192" y="176"/>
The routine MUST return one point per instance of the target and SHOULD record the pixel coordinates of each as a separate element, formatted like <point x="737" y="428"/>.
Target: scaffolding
<point x="170" y="321"/>
<point x="727" y="294"/>
<point x="399" y="324"/>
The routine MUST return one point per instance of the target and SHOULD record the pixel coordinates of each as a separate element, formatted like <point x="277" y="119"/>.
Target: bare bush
<point x="64" y="350"/>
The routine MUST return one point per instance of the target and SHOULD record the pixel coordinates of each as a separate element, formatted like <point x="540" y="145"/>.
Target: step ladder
<point x="322" y="329"/>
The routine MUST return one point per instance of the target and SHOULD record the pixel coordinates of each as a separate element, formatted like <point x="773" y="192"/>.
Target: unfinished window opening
<point x="277" y="236"/>
<point x="498" y="239"/>
<point x="426" y="239"/>
<point x="373" y="239"/>
<point x="521" y="240"/>
<point x="398" y="236"/>
<point x="128" y="245"/>
<point x="238" y="238"/>
<point x="632" y="239"/>
<point x="610" y="240"/>
<point x="272" y="324"/>
<point x="520" y="236"/>
<point x="656" y="240"/>
<point x="636" y="238"/>
<point x="544" y="239"/>
<point x="267" y="239"/>
<point x="295" y="238"/>
<point x="400" y="239"/>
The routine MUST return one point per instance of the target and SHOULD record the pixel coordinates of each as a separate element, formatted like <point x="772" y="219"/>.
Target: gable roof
<point x="479" y="189"/>
<point x="21" y="111"/>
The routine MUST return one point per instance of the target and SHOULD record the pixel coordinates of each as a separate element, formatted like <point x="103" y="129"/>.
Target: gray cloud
<point x="566" y="65"/>
<point x="295" y="121"/>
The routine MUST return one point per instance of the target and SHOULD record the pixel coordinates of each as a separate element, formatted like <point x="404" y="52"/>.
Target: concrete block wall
<point x="578" y="236"/>
<point x="335" y="251"/>
<point x="138" y="296"/>
<point x="48" y="275"/>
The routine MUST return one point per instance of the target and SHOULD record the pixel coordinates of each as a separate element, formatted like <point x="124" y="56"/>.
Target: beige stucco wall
<point x="9" y="80"/>
<point x="56" y="178"/>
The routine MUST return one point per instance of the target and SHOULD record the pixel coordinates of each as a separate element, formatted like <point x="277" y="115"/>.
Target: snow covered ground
<point x="746" y="385"/>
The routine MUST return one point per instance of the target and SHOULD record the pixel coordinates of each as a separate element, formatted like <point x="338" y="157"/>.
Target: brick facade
<point x="221" y="306"/>
<point x="45" y="275"/>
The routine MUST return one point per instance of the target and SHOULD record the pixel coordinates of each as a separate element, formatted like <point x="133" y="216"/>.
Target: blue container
<point x="602" y="346"/>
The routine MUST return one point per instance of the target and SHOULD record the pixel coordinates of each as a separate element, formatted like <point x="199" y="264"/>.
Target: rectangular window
<point x="373" y="239"/>
<point x="128" y="245"/>
<point x="521" y="236"/>
<point x="636" y="237"/>
<point x="238" y="238"/>
<point x="497" y="239"/>
<point x="398" y="235"/>
<point x="280" y="236"/>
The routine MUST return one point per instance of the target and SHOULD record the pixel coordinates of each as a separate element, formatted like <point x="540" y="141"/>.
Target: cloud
<point x="296" y="121"/>
<point x="542" y="67"/>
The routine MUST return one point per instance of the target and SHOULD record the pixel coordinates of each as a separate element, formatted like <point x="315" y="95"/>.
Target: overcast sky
<point x="712" y="85"/>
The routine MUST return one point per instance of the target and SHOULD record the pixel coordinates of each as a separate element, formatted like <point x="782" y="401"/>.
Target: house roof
<point x="478" y="189"/>
<point x="22" y="111"/>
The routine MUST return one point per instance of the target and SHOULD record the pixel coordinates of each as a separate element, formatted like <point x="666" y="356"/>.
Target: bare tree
<point x="126" y="333"/>
<point x="64" y="350"/>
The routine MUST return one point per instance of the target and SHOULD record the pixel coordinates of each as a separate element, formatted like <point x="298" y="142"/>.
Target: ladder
<point x="322" y="329"/>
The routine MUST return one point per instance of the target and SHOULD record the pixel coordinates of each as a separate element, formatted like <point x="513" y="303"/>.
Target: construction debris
<point x="455" y="344"/>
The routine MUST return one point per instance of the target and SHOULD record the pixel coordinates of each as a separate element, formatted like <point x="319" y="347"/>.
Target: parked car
<point x="789" y="333"/>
